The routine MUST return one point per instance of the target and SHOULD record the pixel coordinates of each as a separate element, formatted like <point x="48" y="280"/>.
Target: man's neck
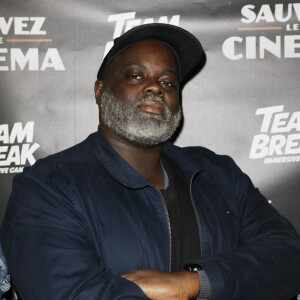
<point x="144" y="159"/>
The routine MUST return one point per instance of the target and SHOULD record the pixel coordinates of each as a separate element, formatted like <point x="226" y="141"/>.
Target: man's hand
<point x="159" y="285"/>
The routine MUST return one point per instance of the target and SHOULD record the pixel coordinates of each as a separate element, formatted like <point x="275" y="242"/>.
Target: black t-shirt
<point x="185" y="236"/>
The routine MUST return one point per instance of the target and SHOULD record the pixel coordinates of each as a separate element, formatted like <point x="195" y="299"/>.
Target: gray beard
<point x="140" y="127"/>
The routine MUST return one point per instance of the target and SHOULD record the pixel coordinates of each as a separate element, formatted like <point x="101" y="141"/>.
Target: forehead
<point x="149" y="53"/>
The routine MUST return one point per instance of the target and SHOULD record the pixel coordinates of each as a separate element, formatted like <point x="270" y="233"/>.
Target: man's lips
<point x="152" y="106"/>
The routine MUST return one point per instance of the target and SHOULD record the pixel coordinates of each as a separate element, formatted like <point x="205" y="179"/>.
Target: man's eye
<point x="167" y="83"/>
<point x="134" y="76"/>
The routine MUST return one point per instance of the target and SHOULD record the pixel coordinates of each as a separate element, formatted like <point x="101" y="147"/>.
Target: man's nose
<point x="154" y="88"/>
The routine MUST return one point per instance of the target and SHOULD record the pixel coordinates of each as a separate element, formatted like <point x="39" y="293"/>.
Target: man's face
<point x="139" y="96"/>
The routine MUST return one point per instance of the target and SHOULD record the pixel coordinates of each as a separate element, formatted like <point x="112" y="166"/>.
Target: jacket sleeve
<point x="48" y="246"/>
<point x="266" y="263"/>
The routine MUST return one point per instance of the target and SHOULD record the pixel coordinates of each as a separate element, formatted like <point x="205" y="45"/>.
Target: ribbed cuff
<point x="205" y="287"/>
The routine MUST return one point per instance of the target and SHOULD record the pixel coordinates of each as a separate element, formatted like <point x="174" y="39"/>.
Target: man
<point x="120" y="214"/>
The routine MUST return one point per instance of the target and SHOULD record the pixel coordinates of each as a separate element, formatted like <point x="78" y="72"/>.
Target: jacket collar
<point x="186" y="164"/>
<point x="128" y="176"/>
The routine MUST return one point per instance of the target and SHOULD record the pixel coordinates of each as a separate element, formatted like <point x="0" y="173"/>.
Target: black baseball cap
<point x="185" y="46"/>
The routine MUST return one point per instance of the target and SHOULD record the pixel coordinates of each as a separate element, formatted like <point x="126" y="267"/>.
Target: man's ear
<point x="98" y="88"/>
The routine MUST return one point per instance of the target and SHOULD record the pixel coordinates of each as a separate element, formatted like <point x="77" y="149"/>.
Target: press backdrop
<point x="244" y="103"/>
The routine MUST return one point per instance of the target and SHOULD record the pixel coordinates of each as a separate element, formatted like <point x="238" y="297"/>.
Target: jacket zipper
<point x="196" y="215"/>
<point x="169" y="228"/>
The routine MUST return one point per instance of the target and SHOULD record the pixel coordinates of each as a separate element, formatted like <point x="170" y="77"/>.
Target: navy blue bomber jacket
<point x="79" y="219"/>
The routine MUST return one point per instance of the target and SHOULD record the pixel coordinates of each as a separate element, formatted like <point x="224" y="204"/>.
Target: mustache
<point x="150" y="97"/>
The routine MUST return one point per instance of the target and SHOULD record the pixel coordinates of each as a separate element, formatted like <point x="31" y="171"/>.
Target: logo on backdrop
<point x="126" y="21"/>
<point x="270" y="30"/>
<point x="16" y="147"/>
<point x="20" y="38"/>
<point x="279" y="137"/>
